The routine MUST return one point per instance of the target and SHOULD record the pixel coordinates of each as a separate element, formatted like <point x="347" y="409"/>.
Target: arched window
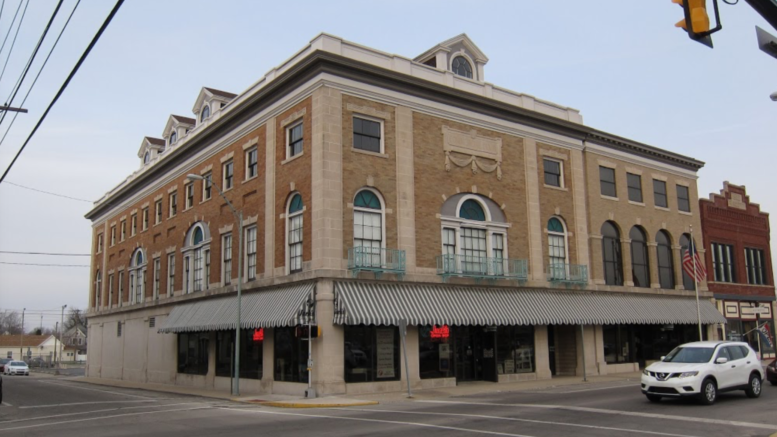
<point x="471" y="210"/>
<point x="640" y="265"/>
<point x="688" y="282"/>
<point x="665" y="260"/>
<point x="173" y="137"/>
<point x="557" y="248"/>
<point x="461" y="67"/>
<point x="205" y="113"/>
<point x="294" y="230"/>
<point x="137" y="276"/>
<point x="196" y="258"/>
<point x="98" y="290"/>
<point x="368" y="227"/>
<point x="611" y="254"/>
<point x="146" y="158"/>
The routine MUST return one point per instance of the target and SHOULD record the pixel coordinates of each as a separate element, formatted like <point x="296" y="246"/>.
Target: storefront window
<point x="515" y="349"/>
<point x="617" y="344"/>
<point x="371" y="353"/>
<point x="643" y="343"/>
<point x="251" y="342"/>
<point x="291" y="356"/>
<point x="193" y="353"/>
<point x="435" y="352"/>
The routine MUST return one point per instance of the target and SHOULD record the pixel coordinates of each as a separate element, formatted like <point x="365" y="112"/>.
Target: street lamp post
<point x="61" y="326"/>
<point x="239" y="216"/>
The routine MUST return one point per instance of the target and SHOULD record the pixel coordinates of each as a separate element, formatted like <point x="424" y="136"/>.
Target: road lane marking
<point x="615" y="412"/>
<point x="514" y="419"/>
<point x="85" y="403"/>
<point x="100" y="411"/>
<point x="632" y="385"/>
<point x="7" y="404"/>
<point x="94" y="389"/>
<point x="100" y="418"/>
<point x="393" y="422"/>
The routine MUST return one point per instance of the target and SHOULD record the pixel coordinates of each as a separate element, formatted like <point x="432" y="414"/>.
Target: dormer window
<point x="205" y="113"/>
<point x="173" y="138"/>
<point x="461" y="67"/>
<point x="146" y="158"/>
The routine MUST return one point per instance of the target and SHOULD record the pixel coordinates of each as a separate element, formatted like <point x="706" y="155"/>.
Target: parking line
<point x="94" y="389"/>
<point x="7" y="404"/>
<point x="615" y="412"/>
<point x="100" y="418"/>
<point x="97" y="411"/>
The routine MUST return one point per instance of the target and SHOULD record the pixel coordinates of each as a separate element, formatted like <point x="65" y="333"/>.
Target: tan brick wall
<point x="433" y="183"/>
<point x="247" y="196"/>
<point x="297" y="171"/>
<point x="362" y="170"/>
<point x="556" y="201"/>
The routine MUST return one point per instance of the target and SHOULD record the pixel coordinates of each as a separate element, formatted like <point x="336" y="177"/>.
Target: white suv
<point x="703" y="369"/>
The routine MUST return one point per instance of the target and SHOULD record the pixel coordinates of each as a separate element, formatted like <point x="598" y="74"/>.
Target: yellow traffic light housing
<point x="697" y="20"/>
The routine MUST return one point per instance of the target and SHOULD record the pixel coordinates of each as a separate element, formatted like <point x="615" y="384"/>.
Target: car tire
<point x="773" y="382"/>
<point x="709" y="392"/>
<point x="654" y="398"/>
<point x="754" y="386"/>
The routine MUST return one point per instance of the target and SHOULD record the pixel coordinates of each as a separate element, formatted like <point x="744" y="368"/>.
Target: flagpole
<point x="695" y="283"/>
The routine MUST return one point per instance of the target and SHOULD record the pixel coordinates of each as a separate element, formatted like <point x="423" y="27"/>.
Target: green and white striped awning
<point x="421" y="304"/>
<point x="285" y="306"/>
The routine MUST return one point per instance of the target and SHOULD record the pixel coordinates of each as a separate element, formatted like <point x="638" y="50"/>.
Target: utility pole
<point x="56" y="329"/>
<point x="61" y="327"/>
<point x="21" y="337"/>
<point x="11" y="109"/>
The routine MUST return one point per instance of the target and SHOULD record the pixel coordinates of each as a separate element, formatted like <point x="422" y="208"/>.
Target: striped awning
<point x="420" y="304"/>
<point x="285" y="306"/>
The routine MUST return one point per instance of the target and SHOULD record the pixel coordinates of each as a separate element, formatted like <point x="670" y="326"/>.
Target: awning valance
<point x="284" y="306"/>
<point x="420" y="304"/>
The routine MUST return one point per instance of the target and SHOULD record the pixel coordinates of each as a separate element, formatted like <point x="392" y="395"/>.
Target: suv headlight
<point x="688" y="374"/>
<point x="645" y="372"/>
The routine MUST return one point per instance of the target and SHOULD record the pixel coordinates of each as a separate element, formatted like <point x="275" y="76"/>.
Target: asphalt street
<point x="42" y="405"/>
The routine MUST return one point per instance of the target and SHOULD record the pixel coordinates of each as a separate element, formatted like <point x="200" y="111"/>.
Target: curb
<point x="286" y="404"/>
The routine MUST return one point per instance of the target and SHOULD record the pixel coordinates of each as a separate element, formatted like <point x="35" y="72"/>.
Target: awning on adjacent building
<point x="385" y="304"/>
<point x="284" y="306"/>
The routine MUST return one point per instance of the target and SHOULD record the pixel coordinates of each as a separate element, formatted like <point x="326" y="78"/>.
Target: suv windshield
<point x="690" y="355"/>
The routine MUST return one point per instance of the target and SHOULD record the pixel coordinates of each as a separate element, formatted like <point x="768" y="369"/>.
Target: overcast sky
<point x="623" y="64"/>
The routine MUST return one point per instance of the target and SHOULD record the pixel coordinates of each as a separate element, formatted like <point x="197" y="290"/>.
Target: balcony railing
<point x="482" y="267"/>
<point x="376" y="260"/>
<point x="568" y="274"/>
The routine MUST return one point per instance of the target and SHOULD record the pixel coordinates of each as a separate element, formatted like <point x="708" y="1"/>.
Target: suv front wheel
<point x="709" y="392"/>
<point x="753" y="389"/>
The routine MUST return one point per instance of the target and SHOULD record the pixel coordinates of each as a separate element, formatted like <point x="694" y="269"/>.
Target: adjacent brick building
<point x="375" y="190"/>
<point x="739" y="263"/>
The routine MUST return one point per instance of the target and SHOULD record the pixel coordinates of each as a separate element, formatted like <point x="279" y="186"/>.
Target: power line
<point x="64" y="85"/>
<point x="41" y="191"/>
<point x="13" y="43"/>
<point x="32" y="58"/>
<point x="46" y="253"/>
<point x="16" y="114"/>
<point x="44" y="265"/>
<point x="11" y="26"/>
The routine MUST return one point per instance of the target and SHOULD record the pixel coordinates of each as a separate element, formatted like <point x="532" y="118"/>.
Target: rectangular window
<point x="158" y="212"/>
<point x="295" y="243"/>
<point x="228" y="171"/>
<point x="473" y="250"/>
<point x="110" y="291"/>
<point x="755" y="266"/>
<point x="187" y="281"/>
<point x="99" y="243"/>
<point x="123" y="230"/>
<point x="134" y="225"/>
<point x="121" y="288"/>
<point x="189" y="195"/>
<point x="226" y="259"/>
<point x="294" y="140"/>
<point x="367" y="135"/>
<point x="368" y="234"/>
<point x="198" y="262"/>
<point x="193" y="353"/>
<point x="498" y="253"/>
<point x="145" y="218"/>
<point x="252" y="168"/>
<point x="291" y="355"/>
<point x="683" y="199"/>
<point x="371" y="353"/>
<point x="207" y="269"/>
<point x="448" y="241"/>
<point x="157" y="268"/>
<point x="552" y="172"/>
<point x="607" y="181"/>
<point x="634" y="182"/>
<point x="251" y="342"/>
<point x="170" y="274"/>
<point x="723" y="262"/>
<point x="118" y="329"/>
<point x="514" y="349"/>
<point x="113" y="235"/>
<point x="207" y="186"/>
<point x="251" y="253"/>
<point x="659" y="193"/>
<point x="173" y="204"/>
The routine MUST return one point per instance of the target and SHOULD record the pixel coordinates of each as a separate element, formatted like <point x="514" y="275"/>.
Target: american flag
<point x="764" y="330"/>
<point x="691" y="257"/>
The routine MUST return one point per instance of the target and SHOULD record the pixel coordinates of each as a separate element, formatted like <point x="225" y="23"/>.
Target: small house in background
<point x="28" y="346"/>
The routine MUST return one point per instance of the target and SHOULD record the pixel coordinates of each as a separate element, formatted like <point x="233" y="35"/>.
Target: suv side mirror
<point x="662" y="358"/>
<point x="721" y="360"/>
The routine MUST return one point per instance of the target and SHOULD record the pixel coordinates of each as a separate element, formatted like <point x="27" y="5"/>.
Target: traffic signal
<point x="302" y="331"/>
<point x="697" y="21"/>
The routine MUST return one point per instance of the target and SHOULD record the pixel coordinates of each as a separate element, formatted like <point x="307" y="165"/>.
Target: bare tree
<point x="75" y="317"/>
<point x="10" y="322"/>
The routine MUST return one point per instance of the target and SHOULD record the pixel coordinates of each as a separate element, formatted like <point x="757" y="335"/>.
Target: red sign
<point x="440" y="332"/>
<point x="259" y="334"/>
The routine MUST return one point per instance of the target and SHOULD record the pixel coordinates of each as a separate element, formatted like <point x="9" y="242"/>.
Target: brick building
<point x="515" y="242"/>
<point x="739" y="263"/>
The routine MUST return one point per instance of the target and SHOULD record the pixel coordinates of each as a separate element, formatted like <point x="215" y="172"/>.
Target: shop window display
<point x="371" y="353"/>
<point x="515" y="349"/>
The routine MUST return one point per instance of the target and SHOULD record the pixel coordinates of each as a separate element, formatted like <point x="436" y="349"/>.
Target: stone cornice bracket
<point x="474" y="146"/>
